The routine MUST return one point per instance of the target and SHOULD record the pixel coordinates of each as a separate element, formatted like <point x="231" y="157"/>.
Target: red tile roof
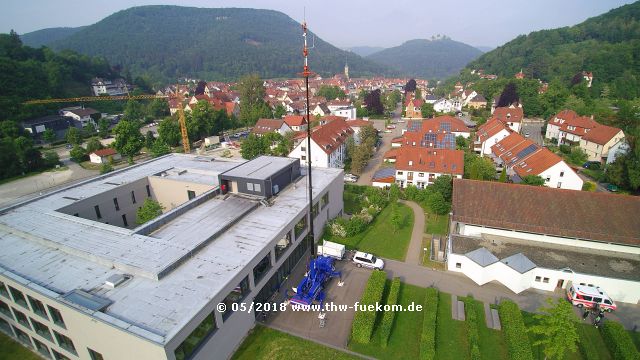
<point x="601" y="134"/>
<point x="536" y="163"/>
<point x="331" y="135"/>
<point x="359" y="123"/>
<point x="537" y="209"/>
<point x="489" y="129"/>
<point x="295" y="120"/>
<point x="566" y="118"/>
<point x="435" y="124"/>
<point x="506" y="114"/>
<point x="442" y="161"/>
<point x="105" y="152"/>
<point x="264" y="126"/>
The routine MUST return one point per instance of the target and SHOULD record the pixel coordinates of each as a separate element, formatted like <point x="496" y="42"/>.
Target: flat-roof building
<point x="80" y="277"/>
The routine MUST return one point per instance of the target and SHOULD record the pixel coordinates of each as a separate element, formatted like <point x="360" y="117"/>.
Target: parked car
<point x="362" y="259"/>
<point x="526" y="134"/>
<point x="591" y="164"/>
<point x="590" y="297"/>
<point x="350" y="178"/>
<point x="612" y="188"/>
<point x="391" y="126"/>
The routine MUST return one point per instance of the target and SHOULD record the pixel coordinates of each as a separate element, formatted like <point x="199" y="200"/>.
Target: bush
<point x="428" y="335"/>
<point x="336" y="227"/>
<point x="78" y="154"/>
<point x="588" y="186"/>
<point x="515" y="332"/>
<point x="389" y="316"/>
<point x="474" y="335"/>
<point x="355" y="225"/>
<point x="565" y="149"/>
<point x="364" y="321"/>
<point x="619" y="341"/>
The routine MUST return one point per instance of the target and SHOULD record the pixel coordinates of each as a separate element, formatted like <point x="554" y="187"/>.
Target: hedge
<point x="619" y="341"/>
<point x="364" y="321"/>
<point x="472" y="324"/>
<point x="428" y="336"/>
<point x="515" y="332"/>
<point x="387" y="319"/>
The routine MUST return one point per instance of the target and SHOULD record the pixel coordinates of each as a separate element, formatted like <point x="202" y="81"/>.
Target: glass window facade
<point x="38" y="307"/>
<point x="3" y="290"/>
<point x="94" y="355"/>
<point x="199" y="335"/>
<point x="22" y="319"/>
<point x="262" y="268"/>
<point x="4" y="308"/>
<point x="301" y="226"/>
<point x="23" y="337"/>
<point x="65" y="343"/>
<point x="325" y="200"/>
<point x="56" y="316"/>
<point x="18" y="297"/>
<point x="58" y="356"/>
<point x="42" y="349"/>
<point x="4" y="326"/>
<point x="42" y="330"/>
<point x="282" y="245"/>
<point x="235" y="296"/>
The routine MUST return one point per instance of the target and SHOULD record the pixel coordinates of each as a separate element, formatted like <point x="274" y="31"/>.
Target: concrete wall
<point x="172" y="193"/>
<point x="84" y="330"/>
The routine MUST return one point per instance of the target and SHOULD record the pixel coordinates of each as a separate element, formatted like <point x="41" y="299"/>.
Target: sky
<point x="347" y="23"/>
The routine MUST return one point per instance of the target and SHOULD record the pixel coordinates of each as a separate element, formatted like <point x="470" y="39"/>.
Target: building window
<point x="303" y="157"/>
<point x="204" y="330"/>
<point x="257" y="188"/>
<point x="302" y="148"/>
<point x="315" y="210"/>
<point x="65" y="343"/>
<point x="538" y="278"/>
<point x="458" y="266"/>
<point x="42" y="330"/>
<point x="325" y="200"/>
<point x="94" y="355"/>
<point x="23" y="337"/>
<point x="301" y="226"/>
<point x="559" y="185"/>
<point x="56" y="316"/>
<point x="42" y="349"/>
<point x="250" y="186"/>
<point x="97" y="209"/>
<point x="4" y="325"/>
<point x="22" y="319"/>
<point x="124" y="220"/>
<point x="3" y="290"/>
<point x="38" y="307"/>
<point x="399" y="172"/>
<point x="547" y="179"/>
<point x="191" y="194"/>
<point x="561" y="173"/>
<point x="115" y="203"/>
<point x="545" y="280"/>
<point x="235" y="296"/>
<point x="283" y="244"/>
<point x="133" y="197"/>
<point x="5" y="309"/>
<point x="420" y="174"/>
<point x="58" y="356"/>
<point x="262" y="268"/>
<point x="18" y="297"/>
<point x="148" y="191"/>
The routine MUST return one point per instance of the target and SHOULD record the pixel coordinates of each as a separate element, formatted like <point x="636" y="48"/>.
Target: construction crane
<point x="181" y="118"/>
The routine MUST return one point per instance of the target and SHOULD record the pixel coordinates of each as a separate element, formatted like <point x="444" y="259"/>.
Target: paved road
<point x="533" y="127"/>
<point x="414" y="252"/>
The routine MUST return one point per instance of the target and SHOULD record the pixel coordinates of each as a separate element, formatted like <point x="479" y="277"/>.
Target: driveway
<point x="534" y="128"/>
<point x="414" y="251"/>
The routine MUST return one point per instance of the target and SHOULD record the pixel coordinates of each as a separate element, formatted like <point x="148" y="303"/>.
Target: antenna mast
<point x="305" y="73"/>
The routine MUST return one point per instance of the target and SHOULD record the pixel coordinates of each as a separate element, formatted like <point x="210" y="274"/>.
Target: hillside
<point x="365" y="50"/>
<point x="427" y="59"/>
<point x="607" y="45"/>
<point x="167" y="42"/>
<point x="45" y="37"/>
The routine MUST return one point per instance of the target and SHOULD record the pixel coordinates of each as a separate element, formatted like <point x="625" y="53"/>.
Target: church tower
<point x="346" y="69"/>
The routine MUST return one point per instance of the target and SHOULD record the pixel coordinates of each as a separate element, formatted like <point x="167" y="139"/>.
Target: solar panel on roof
<point x="526" y="151"/>
<point x="445" y="126"/>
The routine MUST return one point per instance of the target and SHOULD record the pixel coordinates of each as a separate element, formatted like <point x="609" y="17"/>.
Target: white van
<point x="367" y="260"/>
<point x="589" y="297"/>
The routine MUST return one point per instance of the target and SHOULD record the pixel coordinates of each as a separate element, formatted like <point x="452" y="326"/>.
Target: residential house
<point x="489" y="134"/>
<point x="265" y="126"/>
<point x="384" y="177"/>
<point x="328" y="144"/>
<point x="356" y="126"/>
<point x="85" y="116"/>
<point x="620" y="148"/>
<point x="296" y="122"/>
<point x="420" y="166"/>
<point x="597" y="142"/>
<point x="477" y="102"/>
<point x="510" y="116"/>
<point x="448" y="105"/>
<point x="348" y="112"/>
<point x="568" y="127"/>
<point x="413" y="108"/>
<point x="108" y="87"/>
<point x="336" y="104"/>
<point x="104" y="156"/>
<point x="321" y="110"/>
<point x="57" y="123"/>
<point x="521" y="157"/>
<point x="430" y="99"/>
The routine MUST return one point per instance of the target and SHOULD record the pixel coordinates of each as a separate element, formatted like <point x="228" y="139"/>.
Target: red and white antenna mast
<point x="305" y="73"/>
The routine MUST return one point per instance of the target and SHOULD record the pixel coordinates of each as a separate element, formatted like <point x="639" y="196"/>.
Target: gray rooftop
<point x="519" y="263"/>
<point x="176" y="269"/>
<point x="482" y="257"/>
<point x="262" y="167"/>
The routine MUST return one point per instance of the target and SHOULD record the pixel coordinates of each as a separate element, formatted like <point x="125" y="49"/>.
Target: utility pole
<point x="305" y="73"/>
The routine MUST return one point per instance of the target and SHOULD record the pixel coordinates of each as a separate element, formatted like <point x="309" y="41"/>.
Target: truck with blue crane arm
<point x="310" y="290"/>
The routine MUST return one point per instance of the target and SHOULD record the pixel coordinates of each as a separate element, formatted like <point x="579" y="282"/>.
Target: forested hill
<point x="167" y="42"/>
<point x="427" y="59"/>
<point x="45" y="37"/>
<point x="607" y="45"/>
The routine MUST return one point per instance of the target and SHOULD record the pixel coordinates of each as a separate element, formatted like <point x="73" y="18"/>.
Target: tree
<point x="557" y="329"/>
<point x="159" y="148"/>
<point x="509" y="95"/>
<point x="443" y="185"/>
<point x="49" y="135"/>
<point x="396" y="218"/>
<point x="418" y="94"/>
<point x="427" y="110"/>
<point x="200" y="87"/>
<point x="533" y="180"/>
<point x="373" y="103"/>
<point x="169" y="131"/>
<point x="149" y="139"/>
<point x="103" y="128"/>
<point x="394" y="193"/>
<point x="478" y="168"/>
<point x="78" y="154"/>
<point x="106" y="167"/>
<point x="438" y="204"/>
<point x="577" y="156"/>
<point x="279" y="111"/>
<point x="133" y="111"/>
<point x="462" y="143"/>
<point x="253" y="146"/>
<point x="252" y="94"/>
<point x="129" y="141"/>
<point x="51" y="158"/>
<point x="503" y="176"/>
<point x="93" y="144"/>
<point x="331" y="92"/>
<point x="410" y="86"/>
<point x="149" y="210"/>
<point x="73" y="136"/>
<point x="158" y="108"/>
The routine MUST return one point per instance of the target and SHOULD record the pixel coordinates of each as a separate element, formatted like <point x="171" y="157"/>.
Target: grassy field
<point x="379" y="237"/>
<point x="451" y="335"/>
<point x="404" y="342"/>
<point x="435" y="224"/>
<point x="266" y="343"/>
<point x="492" y="343"/>
<point x="10" y="349"/>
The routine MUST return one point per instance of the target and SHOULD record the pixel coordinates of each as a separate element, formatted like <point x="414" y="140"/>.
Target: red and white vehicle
<point x="589" y="297"/>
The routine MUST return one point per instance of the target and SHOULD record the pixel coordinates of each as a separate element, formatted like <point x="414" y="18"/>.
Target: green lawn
<point x="426" y="256"/>
<point x="451" y="335"/>
<point x="379" y="237"/>
<point x="10" y="350"/>
<point x="266" y="343"/>
<point x="492" y="343"/>
<point x="597" y="175"/>
<point x="435" y="224"/>
<point x="635" y="336"/>
<point x="404" y="342"/>
<point x="353" y="198"/>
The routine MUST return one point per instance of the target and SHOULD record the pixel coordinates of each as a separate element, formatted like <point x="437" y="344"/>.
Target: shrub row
<point x="387" y="319"/>
<point x="428" y="336"/>
<point x="364" y="321"/>
<point x="619" y="341"/>
<point x="472" y="324"/>
<point x="515" y="332"/>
